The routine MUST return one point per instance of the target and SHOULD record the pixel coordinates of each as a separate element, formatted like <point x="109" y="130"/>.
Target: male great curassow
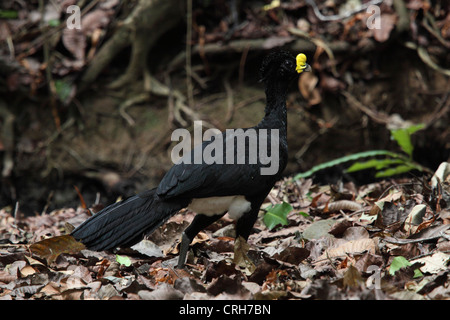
<point x="210" y="190"/>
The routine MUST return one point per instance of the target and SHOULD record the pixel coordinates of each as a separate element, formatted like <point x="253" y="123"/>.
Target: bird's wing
<point x="201" y="180"/>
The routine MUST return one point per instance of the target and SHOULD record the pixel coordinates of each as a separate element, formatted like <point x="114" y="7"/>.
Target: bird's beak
<point x="308" y="68"/>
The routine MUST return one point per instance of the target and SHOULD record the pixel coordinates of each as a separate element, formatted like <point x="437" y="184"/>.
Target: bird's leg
<point x="244" y="227"/>
<point x="184" y="247"/>
<point x="199" y="223"/>
<point x="245" y="223"/>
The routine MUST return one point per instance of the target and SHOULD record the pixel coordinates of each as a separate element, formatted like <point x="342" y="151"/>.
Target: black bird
<point x="210" y="190"/>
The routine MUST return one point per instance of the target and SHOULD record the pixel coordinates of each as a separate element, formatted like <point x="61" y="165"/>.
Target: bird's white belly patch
<point x="235" y="205"/>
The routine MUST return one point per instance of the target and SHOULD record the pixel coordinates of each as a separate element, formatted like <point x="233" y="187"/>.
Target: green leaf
<point x="63" y="89"/>
<point x="417" y="273"/>
<point x="393" y="171"/>
<point x="8" y="14"/>
<point x="53" y="22"/>
<point x="398" y="263"/>
<point x="276" y="215"/>
<point x="373" y="163"/>
<point x="302" y="213"/>
<point x="415" y="128"/>
<point x="401" y="262"/>
<point x="123" y="260"/>
<point x="351" y="157"/>
<point x="403" y="137"/>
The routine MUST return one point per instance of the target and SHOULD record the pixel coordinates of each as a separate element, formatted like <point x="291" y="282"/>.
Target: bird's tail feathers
<point x="124" y="223"/>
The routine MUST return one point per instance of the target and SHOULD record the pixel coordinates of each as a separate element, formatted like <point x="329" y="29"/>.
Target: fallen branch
<point x="242" y="45"/>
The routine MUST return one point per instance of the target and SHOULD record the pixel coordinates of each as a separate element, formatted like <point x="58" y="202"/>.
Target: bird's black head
<point x="282" y="66"/>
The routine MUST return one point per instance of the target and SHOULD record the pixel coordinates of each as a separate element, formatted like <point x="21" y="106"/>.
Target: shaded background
<point x="95" y="107"/>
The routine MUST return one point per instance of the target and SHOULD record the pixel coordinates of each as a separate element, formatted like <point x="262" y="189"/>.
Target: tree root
<point x="149" y="20"/>
<point x="177" y="102"/>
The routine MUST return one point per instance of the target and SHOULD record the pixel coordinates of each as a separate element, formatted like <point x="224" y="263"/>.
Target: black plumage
<point x="220" y="187"/>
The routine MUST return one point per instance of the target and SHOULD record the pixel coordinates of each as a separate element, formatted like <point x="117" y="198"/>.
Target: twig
<point x="420" y="256"/>
<point x="16" y="210"/>
<point x="7" y="133"/>
<point x="313" y="137"/>
<point x="242" y="64"/>
<point x="249" y="100"/>
<point x="442" y="108"/>
<point x="376" y="116"/>
<point x="47" y="203"/>
<point x="48" y="72"/>
<point x="230" y="103"/>
<point x="272" y="199"/>
<point x="423" y="54"/>
<point x="148" y="150"/>
<point x="406" y="241"/>
<point x="10" y="46"/>
<point x="77" y="157"/>
<point x="425" y="57"/>
<point x="190" y="94"/>
<point x="55" y="135"/>
<point x="97" y="198"/>
<point x="397" y="185"/>
<point x="128" y="103"/>
<point x="436" y="33"/>
<point x="347" y="14"/>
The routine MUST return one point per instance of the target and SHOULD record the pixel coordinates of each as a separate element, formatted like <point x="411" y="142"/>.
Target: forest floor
<point x="387" y="240"/>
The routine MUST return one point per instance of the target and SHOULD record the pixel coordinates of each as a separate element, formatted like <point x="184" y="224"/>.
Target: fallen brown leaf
<point x="241" y="259"/>
<point x="352" y="277"/>
<point x="307" y="84"/>
<point x="351" y="247"/>
<point x="51" y="248"/>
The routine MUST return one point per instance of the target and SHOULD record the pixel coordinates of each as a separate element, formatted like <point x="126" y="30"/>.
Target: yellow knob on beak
<point x="301" y="63"/>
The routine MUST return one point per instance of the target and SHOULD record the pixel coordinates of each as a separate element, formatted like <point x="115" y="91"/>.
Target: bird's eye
<point x="289" y="65"/>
